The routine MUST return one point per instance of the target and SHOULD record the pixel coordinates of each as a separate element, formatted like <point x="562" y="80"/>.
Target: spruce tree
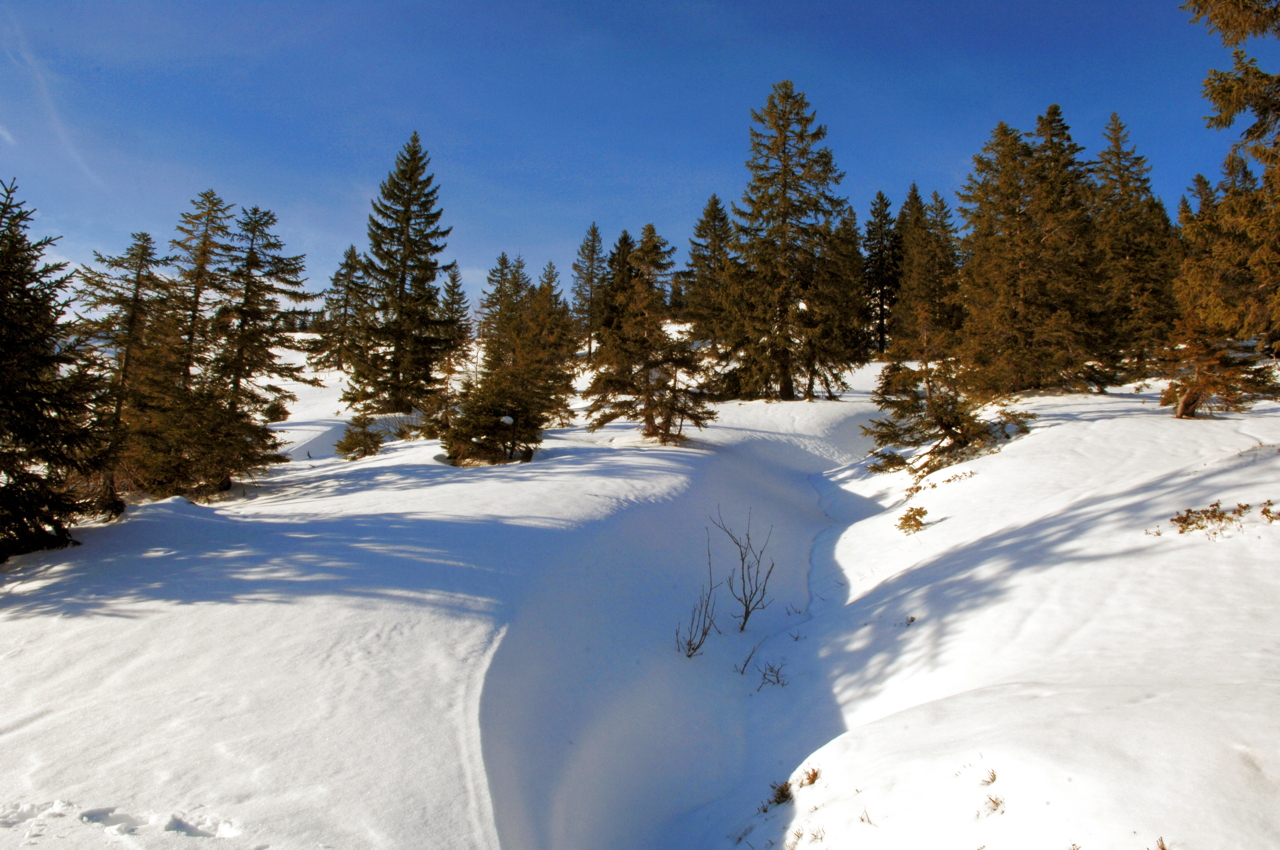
<point x="644" y="372"/>
<point x="526" y="376"/>
<point x="343" y="333"/>
<point x="588" y="276"/>
<point x="46" y="421"/>
<point x="781" y="223"/>
<point x="405" y="238"/>
<point x="882" y="244"/>
<point x="1035" y="306"/>
<point x="122" y="309"/>
<point x="926" y="317"/>
<point x="1138" y="252"/>
<point x="199" y="255"/>
<point x="831" y="325"/>
<point x="707" y="278"/>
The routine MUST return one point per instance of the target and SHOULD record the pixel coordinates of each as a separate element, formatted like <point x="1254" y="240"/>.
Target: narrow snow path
<point x="596" y="731"/>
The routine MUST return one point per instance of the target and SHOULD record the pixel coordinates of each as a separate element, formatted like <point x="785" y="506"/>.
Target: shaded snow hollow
<point x="396" y="653"/>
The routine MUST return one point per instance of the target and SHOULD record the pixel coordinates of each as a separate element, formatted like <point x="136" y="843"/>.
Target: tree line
<point x="159" y="374"/>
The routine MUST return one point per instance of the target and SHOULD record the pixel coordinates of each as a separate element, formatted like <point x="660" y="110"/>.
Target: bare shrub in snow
<point x="749" y="583"/>
<point x="702" y="620"/>
<point x="771" y="674"/>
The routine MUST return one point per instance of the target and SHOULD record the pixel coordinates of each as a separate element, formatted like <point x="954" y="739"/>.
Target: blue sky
<point x="543" y="117"/>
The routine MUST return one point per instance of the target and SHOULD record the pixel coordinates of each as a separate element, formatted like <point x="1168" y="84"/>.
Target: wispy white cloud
<point x="7" y="136"/>
<point x="20" y="54"/>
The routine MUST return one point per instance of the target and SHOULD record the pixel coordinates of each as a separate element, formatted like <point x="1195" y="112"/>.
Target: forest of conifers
<point x="156" y="372"/>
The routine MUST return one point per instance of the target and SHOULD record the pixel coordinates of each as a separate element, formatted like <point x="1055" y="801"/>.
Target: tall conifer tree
<point x="781" y="225"/>
<point x="708" y="276"/>
<point x="405" y="237"/>
<point x="588" y="279"/>
<point x="882" y="245"/>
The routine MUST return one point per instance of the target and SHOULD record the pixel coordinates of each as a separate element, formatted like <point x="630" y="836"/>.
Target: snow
<point x="393" y="652"/>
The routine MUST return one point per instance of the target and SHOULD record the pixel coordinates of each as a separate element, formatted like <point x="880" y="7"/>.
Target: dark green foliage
<point x="707" y="280"/>
<point x="526" y="376"/>
<point x="926" y="317"/>
<point x="831" y="325"/>
<point x="644" y="372"/>
<point x="882" y="245"/>
<point x="1138" y="253"/>
<point x="588" y="277"/>
<point x="408" y="338"/>
<point x="1034" y="303"/>
<point x="455" y="312"/>
<point x="361" y="438"/>
<point x="932" y="420"/>
<point x="46" y="423"/>
<point x="782" y="222"/>
<point x="200" y="254"/>
<point x="123" y="318"/>
<point x="344" y="331"/>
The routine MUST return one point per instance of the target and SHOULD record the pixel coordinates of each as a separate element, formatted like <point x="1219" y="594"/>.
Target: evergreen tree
<point x="1138" y="251"/>
<point x="405" y="238"/>
<point x="926" y="317"/>
<point x="618" y="278"/>
<point x="832" y="320"/>
<point x="781" y="226"/>
<point x="588" y="276"/>
<point x="883" y="246"/>
<point x="200" y="255"/>
<point x="343" y="334"/>
<point x="931" y="423"/>
<point x="121" y="304"/>
<point x="707" y="278"/>
<point x="46" y="423"/>
<point x="1034" y="304"/>
<point x="526" y="377"/>
<point x="643" y="372"/>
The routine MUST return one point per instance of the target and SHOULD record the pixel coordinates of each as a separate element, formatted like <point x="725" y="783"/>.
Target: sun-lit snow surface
<point x="397" y="653"/>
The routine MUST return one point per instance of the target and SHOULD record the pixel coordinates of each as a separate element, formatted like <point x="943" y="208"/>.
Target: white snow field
<point x="396" y="653"/>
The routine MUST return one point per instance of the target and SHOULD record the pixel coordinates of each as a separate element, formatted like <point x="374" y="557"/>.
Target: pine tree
<point x="343" y="334"/>
<point x="781" y="222"/>
<point x="707" y="278"/>
<point x="405" y="237"/>
<point x="526" y="377"/>
<point x="882" y="245"/>
<point x="643" y="372"/>
<point x="588" y="278"/>
<point x="926" y="317"/>
<point x="121" y="305"/>
<point x="238" y="396"/>
<point x="1034" y="304"/>
<point x="831" y="324"/>
<point x="200" y="255"/>
<point x="1138" y="252"/>
<point x="931" y="423"/>
<point x="46" y="422"/>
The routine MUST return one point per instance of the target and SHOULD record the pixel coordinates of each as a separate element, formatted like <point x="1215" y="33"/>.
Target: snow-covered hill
<point x="396" y="653"/>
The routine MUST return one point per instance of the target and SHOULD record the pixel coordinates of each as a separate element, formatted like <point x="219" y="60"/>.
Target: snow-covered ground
<point x="396" y="653"/>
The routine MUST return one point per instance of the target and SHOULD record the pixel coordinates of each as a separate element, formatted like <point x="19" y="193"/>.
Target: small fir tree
<point x="343" y="334"/>
<point x="588" y="277"/>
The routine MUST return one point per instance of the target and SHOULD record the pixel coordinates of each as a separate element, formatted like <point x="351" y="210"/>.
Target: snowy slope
<point x="396" y="653"/>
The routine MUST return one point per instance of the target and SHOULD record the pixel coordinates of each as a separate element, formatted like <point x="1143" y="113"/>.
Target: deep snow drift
<point x="396" y="653"/>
